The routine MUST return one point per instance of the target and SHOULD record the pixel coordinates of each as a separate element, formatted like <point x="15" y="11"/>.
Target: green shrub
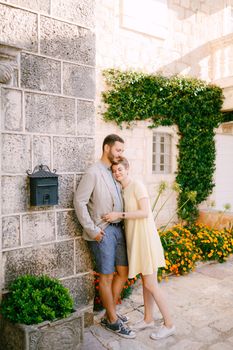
<point x="34" y="299"/>
<point x="191" y="104"/>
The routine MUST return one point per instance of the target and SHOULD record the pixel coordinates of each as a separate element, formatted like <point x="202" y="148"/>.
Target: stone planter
<point x="63" y="334"/>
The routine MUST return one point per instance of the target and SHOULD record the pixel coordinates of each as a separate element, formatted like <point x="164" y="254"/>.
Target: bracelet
<point x="123" y="215"/>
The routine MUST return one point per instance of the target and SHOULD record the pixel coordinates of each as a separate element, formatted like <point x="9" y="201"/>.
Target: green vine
<point x="192" y="104"/>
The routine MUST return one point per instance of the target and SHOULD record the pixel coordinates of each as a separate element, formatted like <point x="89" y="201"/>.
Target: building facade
<point x="191" y="38"/>
<point x="52" y="54"/>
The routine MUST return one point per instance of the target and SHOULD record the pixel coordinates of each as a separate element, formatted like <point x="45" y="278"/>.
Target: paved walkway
<point x="202" y="307"/>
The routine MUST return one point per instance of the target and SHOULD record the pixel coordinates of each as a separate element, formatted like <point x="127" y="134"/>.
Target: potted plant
<point x="38" y="314"/>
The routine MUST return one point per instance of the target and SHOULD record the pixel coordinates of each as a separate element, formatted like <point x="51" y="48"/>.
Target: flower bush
<point x="180" y="251"/>
<point x="183" y="248"/>
<point x="213" y="244"/>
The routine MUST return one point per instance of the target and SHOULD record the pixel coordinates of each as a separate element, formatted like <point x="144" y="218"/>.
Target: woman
<point x="144" y="248"/>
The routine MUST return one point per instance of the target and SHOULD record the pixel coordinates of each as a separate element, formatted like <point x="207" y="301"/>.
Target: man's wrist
<point x="123" y="215"/>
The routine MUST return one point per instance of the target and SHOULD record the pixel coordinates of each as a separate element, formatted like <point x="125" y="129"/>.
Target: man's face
<point x="114" y="152"/>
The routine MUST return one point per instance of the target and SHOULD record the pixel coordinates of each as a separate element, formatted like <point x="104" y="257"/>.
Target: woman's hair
<point x="122" y="161"/>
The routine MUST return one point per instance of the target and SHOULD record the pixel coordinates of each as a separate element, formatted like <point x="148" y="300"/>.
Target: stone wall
<point x="47" y="113"/>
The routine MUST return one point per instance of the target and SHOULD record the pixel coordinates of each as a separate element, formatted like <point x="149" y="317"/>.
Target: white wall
<point x="223" y="192"/>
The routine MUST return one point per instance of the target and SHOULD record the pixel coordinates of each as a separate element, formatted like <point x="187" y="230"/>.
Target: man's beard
<point x="111" y="157"/>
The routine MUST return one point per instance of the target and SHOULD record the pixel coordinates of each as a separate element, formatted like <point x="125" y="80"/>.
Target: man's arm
<point x="81" y="199"/>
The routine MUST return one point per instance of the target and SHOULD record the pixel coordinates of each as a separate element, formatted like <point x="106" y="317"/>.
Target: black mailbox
<point x="43" y="186"/>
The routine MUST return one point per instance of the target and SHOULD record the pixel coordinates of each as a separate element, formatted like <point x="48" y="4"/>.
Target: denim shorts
<point x="110" y="251"/>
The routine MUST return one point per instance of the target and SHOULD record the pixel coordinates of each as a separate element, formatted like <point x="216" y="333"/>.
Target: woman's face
<point x="120" y="173"/>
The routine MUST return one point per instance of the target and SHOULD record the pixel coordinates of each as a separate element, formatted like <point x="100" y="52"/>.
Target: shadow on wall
<point x="211" y="50"/>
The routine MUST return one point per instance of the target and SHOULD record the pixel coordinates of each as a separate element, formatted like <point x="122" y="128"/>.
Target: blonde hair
<point x="123" y="161"/>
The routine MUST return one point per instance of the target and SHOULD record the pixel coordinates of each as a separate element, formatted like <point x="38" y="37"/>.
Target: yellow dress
<point x="144" y="248"/>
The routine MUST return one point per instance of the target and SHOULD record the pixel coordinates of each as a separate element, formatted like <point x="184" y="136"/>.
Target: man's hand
<point x="100" y="236"/>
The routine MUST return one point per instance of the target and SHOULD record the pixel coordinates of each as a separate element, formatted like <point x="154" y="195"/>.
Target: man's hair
<point x="111" y="139"/>
<point x="122" y="160"/>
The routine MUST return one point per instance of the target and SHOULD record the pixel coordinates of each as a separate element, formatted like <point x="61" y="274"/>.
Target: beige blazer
<point x="93" y="198"/>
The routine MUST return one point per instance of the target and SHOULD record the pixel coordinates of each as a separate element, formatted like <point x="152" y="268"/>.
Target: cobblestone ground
<point x="201" y="304"/>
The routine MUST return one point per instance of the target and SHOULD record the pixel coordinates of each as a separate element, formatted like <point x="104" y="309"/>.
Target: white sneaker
<point x="163" y="332"/>
<point x="140" y="325"/>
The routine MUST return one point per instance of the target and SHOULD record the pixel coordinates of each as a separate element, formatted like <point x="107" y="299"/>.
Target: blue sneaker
<point x="119" y="328"/>
<point x="123" y="318"/>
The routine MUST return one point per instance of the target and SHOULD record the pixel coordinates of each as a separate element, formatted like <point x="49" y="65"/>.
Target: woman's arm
<point x="141" y="213"/>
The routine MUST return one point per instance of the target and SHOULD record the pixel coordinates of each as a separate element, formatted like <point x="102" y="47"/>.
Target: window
<point x="161" y="153"/>
<point x="147" y="16"/>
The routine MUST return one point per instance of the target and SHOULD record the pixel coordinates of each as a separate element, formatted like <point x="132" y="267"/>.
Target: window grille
<point x="161" y="153"/>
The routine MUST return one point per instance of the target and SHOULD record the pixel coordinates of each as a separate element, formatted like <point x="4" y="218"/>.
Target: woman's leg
<point x="149" y="304"/>
<point x="150" y="283"/>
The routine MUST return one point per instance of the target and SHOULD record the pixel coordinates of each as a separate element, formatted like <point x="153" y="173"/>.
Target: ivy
<point x="192" y="104"/>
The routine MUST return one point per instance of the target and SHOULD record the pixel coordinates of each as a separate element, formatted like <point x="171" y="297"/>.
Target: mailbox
<point x="43" y="186"/>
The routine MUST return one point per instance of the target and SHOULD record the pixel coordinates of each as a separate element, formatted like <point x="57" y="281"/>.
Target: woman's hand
<point x="113" y="216"/>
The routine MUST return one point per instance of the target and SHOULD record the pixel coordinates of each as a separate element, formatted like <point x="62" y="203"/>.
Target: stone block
<point x="10" y="231"/>
<point x="83" y="259"/>
<point x="18" y="27"/>
<point x="15" y="194"/>
<point x="49" y="114"/>
<point x="42" y="6"/>
<point x="66" y="191"/>
<point x="41" y="147"/>
<point x="85" y="118"/>
<point x="16" y="155"/>
<point x="79" y="81"/>
<point x="11" y="110"/>
<point x="68" y="225"/>
<point x="81" y="12"/>
<point x="55" y="260"/>
<point x="38" y="228"/>
<point x="39" y="73"/>
<point x="81" y="289"/>
<point x="72" y="154"/>
<point x="67" y="41"/>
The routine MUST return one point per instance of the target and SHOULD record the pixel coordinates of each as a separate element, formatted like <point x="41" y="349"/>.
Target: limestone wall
<point x="47" y="114"/>
<point x="194" y="39"/>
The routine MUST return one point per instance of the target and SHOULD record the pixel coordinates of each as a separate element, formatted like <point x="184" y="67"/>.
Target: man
<point x="97" y="195"/>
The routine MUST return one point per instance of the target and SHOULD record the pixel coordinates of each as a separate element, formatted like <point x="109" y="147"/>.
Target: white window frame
<point x="161" y="153"/>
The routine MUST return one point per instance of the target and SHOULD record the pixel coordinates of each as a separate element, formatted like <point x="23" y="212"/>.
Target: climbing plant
<point x="192" y="104"/>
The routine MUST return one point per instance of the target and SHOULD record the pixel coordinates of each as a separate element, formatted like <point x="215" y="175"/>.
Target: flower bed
<point x="183" y="248"/>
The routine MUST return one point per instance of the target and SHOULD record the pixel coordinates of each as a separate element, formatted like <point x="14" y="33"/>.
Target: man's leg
<point x="119" y="281"/>
<point x="106" y="294"/>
